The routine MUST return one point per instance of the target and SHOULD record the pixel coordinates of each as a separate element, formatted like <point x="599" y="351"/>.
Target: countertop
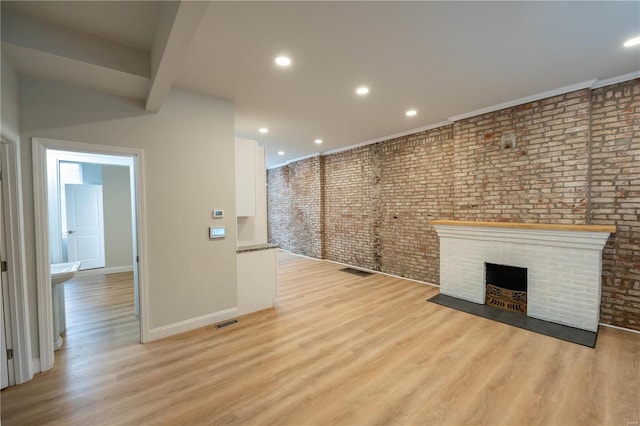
<point x="256" y="247"/>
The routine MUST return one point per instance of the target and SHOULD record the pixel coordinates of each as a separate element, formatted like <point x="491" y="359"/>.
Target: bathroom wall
<point x="116" y="199"/>
<point x="91" y="174"/>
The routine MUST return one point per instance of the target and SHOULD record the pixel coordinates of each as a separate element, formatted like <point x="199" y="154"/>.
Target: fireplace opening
<point x="506" y="287"/>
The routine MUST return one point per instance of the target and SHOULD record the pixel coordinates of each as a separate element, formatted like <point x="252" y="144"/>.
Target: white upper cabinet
<point x="245" y="177"/>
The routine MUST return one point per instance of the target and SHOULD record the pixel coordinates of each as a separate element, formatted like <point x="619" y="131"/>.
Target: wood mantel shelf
<point x="540" y="226"/>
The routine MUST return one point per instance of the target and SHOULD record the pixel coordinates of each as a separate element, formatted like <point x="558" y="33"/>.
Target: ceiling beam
<point x="177" y="25"/>
<point x="49" y="39"/>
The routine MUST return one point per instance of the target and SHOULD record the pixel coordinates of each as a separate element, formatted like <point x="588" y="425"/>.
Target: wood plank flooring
<point x="337" y="349"/>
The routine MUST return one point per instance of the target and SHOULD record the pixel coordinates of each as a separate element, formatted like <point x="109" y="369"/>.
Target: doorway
<point x="59" y="198"/>
<point x="90" y="221"/>
<point x="91" y="209"/>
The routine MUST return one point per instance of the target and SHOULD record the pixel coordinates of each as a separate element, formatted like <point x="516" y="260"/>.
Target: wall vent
<point x="226" y="324"/>
<point x="357" y="272"/>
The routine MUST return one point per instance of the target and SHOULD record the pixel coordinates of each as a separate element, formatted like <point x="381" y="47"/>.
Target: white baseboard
<point x="364" y="269"/>
<point x="118" y="269"/>
<point x="301" y="255"/>
<point x="191" y="324"/>
<point x="35" y="366"/>
<point x="620" y="328"/>
<point x="104" y="271"/>
<point x="89" y="272"/>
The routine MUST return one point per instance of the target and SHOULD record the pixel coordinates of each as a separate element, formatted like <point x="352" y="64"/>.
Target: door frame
<point x="5" y="317"/>
<point x="16" y="259"/>
<point x="45" y="311"/>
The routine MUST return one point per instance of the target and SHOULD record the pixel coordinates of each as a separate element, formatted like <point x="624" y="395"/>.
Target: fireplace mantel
<point x="564" y="264"/>
<point x="576" y="236"/>
<point x="539" y="226"/>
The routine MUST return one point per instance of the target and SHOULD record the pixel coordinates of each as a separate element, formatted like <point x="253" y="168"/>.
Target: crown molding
<point x="389" y="137"/>
<point x="536" y="97"/>
<point x="286" y="163"/>
<point x="614" y="80"/>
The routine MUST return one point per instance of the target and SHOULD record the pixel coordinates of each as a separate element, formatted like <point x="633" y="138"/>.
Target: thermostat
<point x="217" y="214"/>
<point x="217" y="232"/>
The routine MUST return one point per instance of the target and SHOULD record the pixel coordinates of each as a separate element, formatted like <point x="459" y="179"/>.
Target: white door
<point x="85" y="225"/>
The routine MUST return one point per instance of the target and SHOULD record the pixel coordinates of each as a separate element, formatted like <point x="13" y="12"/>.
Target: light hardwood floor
<point x="338" y="349"/>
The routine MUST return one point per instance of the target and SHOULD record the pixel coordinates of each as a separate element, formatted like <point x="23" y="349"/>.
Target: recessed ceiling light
<point x="362" y="90"/>
<point x="411" y="112"/>
<point x="632" y="42"/>
<point x="280" y="152"/>
<point x="263" y="130"/>
<point x="318" y="141"/>
<point x="283" y="61"/>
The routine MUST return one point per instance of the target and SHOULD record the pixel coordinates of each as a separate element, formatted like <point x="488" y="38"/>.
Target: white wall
<point x="189" y="169"/>
<point x="91" y="174"/>
<point x="116" y="196"/>
<point x="9" y="92"/>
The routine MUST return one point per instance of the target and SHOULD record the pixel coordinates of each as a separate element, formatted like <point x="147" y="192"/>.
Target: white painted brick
<point x="563" y="268"/>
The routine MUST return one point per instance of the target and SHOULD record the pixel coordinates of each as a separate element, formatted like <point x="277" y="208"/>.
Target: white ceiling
<point x="132" y="23"/>
<point x="441" y="58"/>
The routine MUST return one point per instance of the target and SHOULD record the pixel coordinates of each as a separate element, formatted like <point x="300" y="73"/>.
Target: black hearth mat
<point x="562" y="332"/>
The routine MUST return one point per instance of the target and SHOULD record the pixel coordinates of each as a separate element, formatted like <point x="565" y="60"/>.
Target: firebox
<point x="506" y="287"/>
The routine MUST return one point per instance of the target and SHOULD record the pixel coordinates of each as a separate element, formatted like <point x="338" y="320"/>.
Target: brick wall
<point x="415" y="189"/>
<point x="615" y="197"/>
<point x="294" y="207"/>
<point x="279" y="207"/>
<point x="351" y="191"/>
<point x="543" y="179"/>
<point x="375" y="202"/>
<point x="378" y="199"/>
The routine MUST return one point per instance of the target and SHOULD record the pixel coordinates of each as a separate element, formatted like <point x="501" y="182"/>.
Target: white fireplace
<point x="564" y="265"/>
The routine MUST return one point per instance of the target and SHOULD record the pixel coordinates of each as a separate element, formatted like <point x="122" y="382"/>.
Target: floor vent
<point x="226" y="324"/>
<point x="357" y="272"/>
